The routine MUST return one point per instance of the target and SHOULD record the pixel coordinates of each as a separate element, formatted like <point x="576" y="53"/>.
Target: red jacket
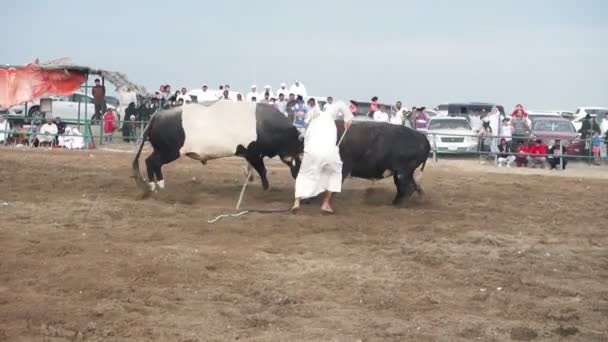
<point x="538" y="149"/>
<point x="108" y="122"/>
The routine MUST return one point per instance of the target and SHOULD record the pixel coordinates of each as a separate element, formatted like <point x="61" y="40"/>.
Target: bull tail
<point x="139" y="180"/>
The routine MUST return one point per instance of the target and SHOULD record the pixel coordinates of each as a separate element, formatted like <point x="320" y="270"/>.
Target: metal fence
<point x="89" y="134"/>
<point x="83" y="134"/>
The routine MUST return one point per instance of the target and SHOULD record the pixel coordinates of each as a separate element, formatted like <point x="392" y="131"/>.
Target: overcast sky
<point x="546" y="54"/>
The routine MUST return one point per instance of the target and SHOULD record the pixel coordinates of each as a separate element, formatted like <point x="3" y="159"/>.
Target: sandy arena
<point x="488" y="256"/>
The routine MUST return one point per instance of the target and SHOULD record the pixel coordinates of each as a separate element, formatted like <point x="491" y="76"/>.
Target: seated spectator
<point x="47" y="133"/>
<point x="380" y="115"/>
<point x="504" y="157"/>
<point x="521" y="159"/>
<point x="555" y="156"/>
<point x="109" y="124"/>
<point x="537" y="151"/>
<point x="60" y="129"/>
<point x="5" y="130"/>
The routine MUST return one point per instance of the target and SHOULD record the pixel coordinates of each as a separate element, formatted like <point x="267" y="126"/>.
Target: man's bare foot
<point x="327" y="209"/>
<point x="295" y="207"/>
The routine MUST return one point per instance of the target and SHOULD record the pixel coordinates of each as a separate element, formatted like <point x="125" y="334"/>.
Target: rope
<point x="260" y="211"/>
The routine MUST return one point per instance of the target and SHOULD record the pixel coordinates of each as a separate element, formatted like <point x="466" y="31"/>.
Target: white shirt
<point x="281" y="106"/>
<point x="397" y="119"/>
<point x="253" y="94"/>
<point x="604" y="126"/>
<point x="380" y="116"/>
<point x="299" y="90"/>
<point x="49" y="129"/>
<point x="203" y="95"/>
<point x="476" y="123"/>
<point x="506" y="132"/>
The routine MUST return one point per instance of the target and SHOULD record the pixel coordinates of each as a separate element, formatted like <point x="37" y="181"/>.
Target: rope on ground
<point x="261" y="211"/>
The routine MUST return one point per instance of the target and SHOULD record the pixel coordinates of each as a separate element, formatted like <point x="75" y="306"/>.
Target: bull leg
<point x="152" y="165"/>
<point x="254" y="157"/>
<point x="405" y="187"/>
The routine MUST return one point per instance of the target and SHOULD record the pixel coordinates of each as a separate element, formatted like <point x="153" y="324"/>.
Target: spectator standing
<point x="398" y="115"/>
<point x="99" y="99"/>
<point x="505" y="158"/>
<point x="266" y="98"/>
<point x="596" y="145"/>
<point x="476" y="122"/>
<point x="283" y="90"/>
<point x="373" y="107"/>
<point x="493" y="119"/>
<point x="380" y="115"/>
<point x="281" y="104"/>
<point x="253" y="92"/>
<point x="506" y="131"/>
<point x="129" y="126"/>
<point x="298" y="89"/>
<point x="300" y="116"/>
<point x="268" y="89"/>
<point x="239" y="97"/>
<point x="556" y="153"/>
<point x="291" y="105"/>
<point x="422" y="119"/>
<point x="588" y="127"/>
<point x="520" y="124"/>
<point x="225" y="95"/>
<point x="109" y="124"/>
<point x="538" y="152"/>
<point x="604" y="134"/>
<point x="328" y="104"/>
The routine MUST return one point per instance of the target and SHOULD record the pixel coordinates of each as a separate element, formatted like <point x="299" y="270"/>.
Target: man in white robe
<point x="283" y="90"/>
<point x="5" y="130"/>
<point x="381" y="115"/>
<point x="298" y="89"/>
<point x="321" y="169"/>
<point x="253" y="92"/>
<point x="48" y="131"/>
<point x="268" y="89"/>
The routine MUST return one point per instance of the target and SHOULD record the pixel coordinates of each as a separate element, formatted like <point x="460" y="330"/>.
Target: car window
<point x="553" y="126"/>
<point x="449" y="124"/>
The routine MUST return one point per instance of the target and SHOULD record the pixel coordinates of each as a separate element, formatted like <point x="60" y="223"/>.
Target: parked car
<point x="533" y="115"/>
<point x="564" y="114"/>
<point x="67" y="107"/>
<point x="550" y="129"/>
<point x="451" y="135"/>
<point x="581" y="112"/>
<point x="464" y="109"/>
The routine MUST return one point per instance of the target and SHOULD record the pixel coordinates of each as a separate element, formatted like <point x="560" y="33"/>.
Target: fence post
<point x="100" y="133"/>
<point x="561" y="155"/>
<point x="434" y="147"/>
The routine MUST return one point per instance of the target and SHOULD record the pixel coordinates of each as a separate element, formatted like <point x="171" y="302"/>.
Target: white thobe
<point x="124" y="98"/>
<point x="253" y="94"/>
<point x="47" y="133"/>
<point x="380" y="116"/>
<point x="321" y="168"/>
<point x="299" y="90"/>
<point x="5" y="129"/>
<point x="397" y="118"/>
<point x="283" y="91"/>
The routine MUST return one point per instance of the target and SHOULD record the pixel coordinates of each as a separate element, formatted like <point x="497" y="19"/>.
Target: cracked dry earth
<point x="482" y="256"/>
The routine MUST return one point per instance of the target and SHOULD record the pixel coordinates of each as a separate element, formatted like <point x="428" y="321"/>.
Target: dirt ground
<point x="482" y="256"/>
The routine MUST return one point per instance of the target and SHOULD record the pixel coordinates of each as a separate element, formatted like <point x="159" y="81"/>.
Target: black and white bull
<point x="374" y="150"/>
<point x="221" y="129"/>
